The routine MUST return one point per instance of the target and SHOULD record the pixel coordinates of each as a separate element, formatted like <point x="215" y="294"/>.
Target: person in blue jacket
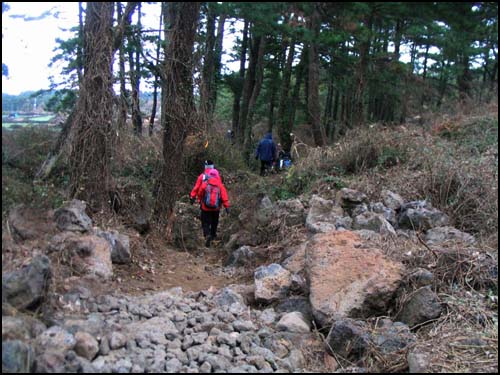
<point x="266" y="152"/>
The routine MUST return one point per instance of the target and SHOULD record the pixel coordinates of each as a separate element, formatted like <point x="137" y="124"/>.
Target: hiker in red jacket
<point x="212" y="195"/>
<point x="209" y="165"/>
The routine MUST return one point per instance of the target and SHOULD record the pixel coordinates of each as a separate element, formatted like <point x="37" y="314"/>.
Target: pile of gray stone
<point x="209" y="331"/>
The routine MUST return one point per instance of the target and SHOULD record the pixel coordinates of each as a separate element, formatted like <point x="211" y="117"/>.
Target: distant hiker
<point x="212" y="195"/>
<point x="230" y="136"/>
<point x="209" y="165"/>
<point x="266" y="152"/>
<point x="284" y="158"/>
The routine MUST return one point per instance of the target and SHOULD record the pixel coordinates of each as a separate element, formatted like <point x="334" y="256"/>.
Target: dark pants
<point x="264" y="164"/>
<point x="209" y="222"/>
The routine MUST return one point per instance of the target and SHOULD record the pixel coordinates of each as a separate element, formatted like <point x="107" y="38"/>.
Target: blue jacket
<point x="266" y="149"/>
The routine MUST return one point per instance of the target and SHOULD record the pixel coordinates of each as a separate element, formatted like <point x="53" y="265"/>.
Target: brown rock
<point x="347" y="280"/>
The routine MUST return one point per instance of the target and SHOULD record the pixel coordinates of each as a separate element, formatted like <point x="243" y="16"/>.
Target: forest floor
<point x="161" y="267"/>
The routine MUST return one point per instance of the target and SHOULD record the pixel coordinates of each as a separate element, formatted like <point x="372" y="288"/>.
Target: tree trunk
<point x="155" y="90"/>
<point x="90" y="155"/>
<point x="122" y="112"/>
<point x="217" y="58"/>
<point x="328" y="116"/>
<point x="85" y="120"/>
<point x="239" y="88"/>
<point x="135" y="76"/>
<point x="248" y="88"/>
<point x="259" y="74"/>
<point x="313" y="105"/>
<point x="364" y="49"/>
<point x="211" y="66"/>
<point x="79" y="57"/>
<point x="208" y="71"/>
<point x="424" y="75"/>
<point x="464" y="79"/>
<point x="285" y="106"/>
<point x="178" y="112"/>
<point x="286" y="139"/>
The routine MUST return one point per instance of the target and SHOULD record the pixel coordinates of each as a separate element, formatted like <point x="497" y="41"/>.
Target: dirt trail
<point x="166" y="268"/>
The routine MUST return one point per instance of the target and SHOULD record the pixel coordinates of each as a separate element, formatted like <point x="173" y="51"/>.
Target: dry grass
<point x="465" y="339"/>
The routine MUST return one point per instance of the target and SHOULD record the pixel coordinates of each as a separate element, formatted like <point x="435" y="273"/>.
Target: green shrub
<point x="391" y="156"/>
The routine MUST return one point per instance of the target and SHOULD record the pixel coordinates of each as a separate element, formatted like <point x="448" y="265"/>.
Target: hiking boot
<point x="207" y="242"/>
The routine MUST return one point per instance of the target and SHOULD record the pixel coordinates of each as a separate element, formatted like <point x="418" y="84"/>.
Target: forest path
<point x="158" y="266"/>
<point x="164" y="268"/>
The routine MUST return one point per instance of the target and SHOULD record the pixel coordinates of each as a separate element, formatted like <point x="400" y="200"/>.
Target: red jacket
<point x="223" y="194"/>
<point x="199" y="181"/>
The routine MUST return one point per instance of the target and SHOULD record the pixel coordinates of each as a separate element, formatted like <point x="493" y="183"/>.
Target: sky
<point x="29" y="40"/>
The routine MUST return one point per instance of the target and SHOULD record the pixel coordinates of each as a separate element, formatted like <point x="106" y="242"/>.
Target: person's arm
<point x="224" y="197"/>
<point x="197" y="186"/>
<point x="201" y="191"/>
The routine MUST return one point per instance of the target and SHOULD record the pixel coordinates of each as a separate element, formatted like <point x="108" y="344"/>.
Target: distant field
<point x="9" y="122"/>
<point x="42" y="118"/>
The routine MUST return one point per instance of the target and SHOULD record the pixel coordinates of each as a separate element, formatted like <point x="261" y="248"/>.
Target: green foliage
<point x="62" y="101"/>
<point x="390" y="156"/>
<point x="26" y="148"/>
<point x="474" y="136"/>
<point x="281" y="193"/>
<point x="336" y="181"/>
<point x="23" y="152"/>
<point x="295" y="183"/>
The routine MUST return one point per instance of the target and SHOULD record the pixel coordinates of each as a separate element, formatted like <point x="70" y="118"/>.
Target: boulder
<point x="441" y="235"/>
<point x="296" y="303"/>
<point x="227" y="296"/>
<point x="295" y="263"/>
<point x="391" y="337"/>
<point x="240" y="257"/>
<point x="72" y="217"/>
<point x="348" y="199"/>
<point x="392" y="200"/>
<point x="422" y="218"/>
<point x="294" y="322"/>
<point x="325" y="217"/>
<point x="349" y="339"/>
<point x="243" y="238"/>
<point x="422" y="306"/>
<point x="55" y="338"/>
<point x="17" y="357"/>
<point x="86" y="345"/>
<point x="27" y="287"/>
<point x="347" y="280"/>
<point x="375" y="222"/>
<point x="28" y="224"/>
<point x="421" y="277"/>
<point x="21" y="327"/>
<point x="292" y="211"/>
<point x="120" y="246"/>
<point x="271" y="283"/>
<point x="89" y="254"/>
<point x="388" y="213"/>
<point x="264" y="213"/>
<point x="359" y="209"/>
